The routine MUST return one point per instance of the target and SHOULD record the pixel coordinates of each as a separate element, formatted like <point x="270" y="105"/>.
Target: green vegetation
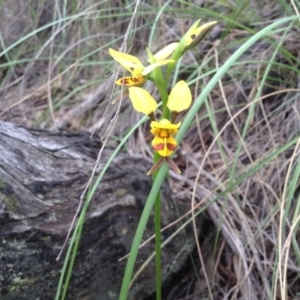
<point x="238" y="146"/>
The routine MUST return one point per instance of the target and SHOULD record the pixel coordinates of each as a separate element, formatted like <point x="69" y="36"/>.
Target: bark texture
<point x="42" y="176"/>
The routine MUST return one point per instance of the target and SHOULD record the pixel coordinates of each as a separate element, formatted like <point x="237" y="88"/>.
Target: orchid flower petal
<point x="172" y="165"/>
<point x="142" y="101"/>
<point x="131" y="81"/>
<point x="164" y="146"/>
<point x="156" y="166"/>
<point x="164" y="124"/>
<point x="153" y="66"/>
<point x="129" y="62"/>
<point x="180" y="97"/>
<point x="165" y="52"/>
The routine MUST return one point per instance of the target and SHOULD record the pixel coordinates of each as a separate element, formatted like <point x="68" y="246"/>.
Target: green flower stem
<point x="162" y="88"/>
<point x="157" y="236"/>
<point x="164" y="96"/>
<point x="158" y="247"/>
<point x="161" y="85"/>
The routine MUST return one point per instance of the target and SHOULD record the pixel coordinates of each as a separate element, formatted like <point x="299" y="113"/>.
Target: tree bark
<point x="42" y="176"/>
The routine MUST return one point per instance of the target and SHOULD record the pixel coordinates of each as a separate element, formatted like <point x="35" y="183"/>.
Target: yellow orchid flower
<point x="164" y="143"/>
<point x="196" y="34"/>
<point x="164" y="130"/>
<point x="133" y="65"/>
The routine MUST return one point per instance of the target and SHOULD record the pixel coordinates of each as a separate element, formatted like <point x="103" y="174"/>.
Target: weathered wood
<point x="42" y="176"/>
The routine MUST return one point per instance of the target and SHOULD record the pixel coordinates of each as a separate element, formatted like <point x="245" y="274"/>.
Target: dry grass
<point x="233" y="156"/>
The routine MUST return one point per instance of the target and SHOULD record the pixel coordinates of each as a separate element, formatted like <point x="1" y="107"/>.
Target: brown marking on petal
<point x="171" y="147"/>
<point x="193" y="36"/>
<point x="158" y="147"/>
<point x="125" y="81"/>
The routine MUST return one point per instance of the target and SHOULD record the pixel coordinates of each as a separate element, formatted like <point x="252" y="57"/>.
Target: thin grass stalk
<point x="293" y="187"/>
<point x="251" y="112"/>
<point x="75" y="248"/>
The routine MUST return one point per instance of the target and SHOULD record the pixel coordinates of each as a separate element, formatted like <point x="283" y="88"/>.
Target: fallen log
<point x="42" y="176"/>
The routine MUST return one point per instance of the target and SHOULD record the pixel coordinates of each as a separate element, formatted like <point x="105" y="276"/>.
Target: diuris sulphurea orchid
<point x="139" y="72"/>
<point x="164" y="130"/>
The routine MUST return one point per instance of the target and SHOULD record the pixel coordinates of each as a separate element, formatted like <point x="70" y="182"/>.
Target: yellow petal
<point x="165" y="52"/>
<point x="180" y="97"/>
<point x="129" y="62"/>
<point x="131" y="81"/>
<point x="151" y="67"/>
<point x="196" y="36"/>
<point x="164" y="124"/>
<point x="164" y="146"/>
<point x="142" y="101"/>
